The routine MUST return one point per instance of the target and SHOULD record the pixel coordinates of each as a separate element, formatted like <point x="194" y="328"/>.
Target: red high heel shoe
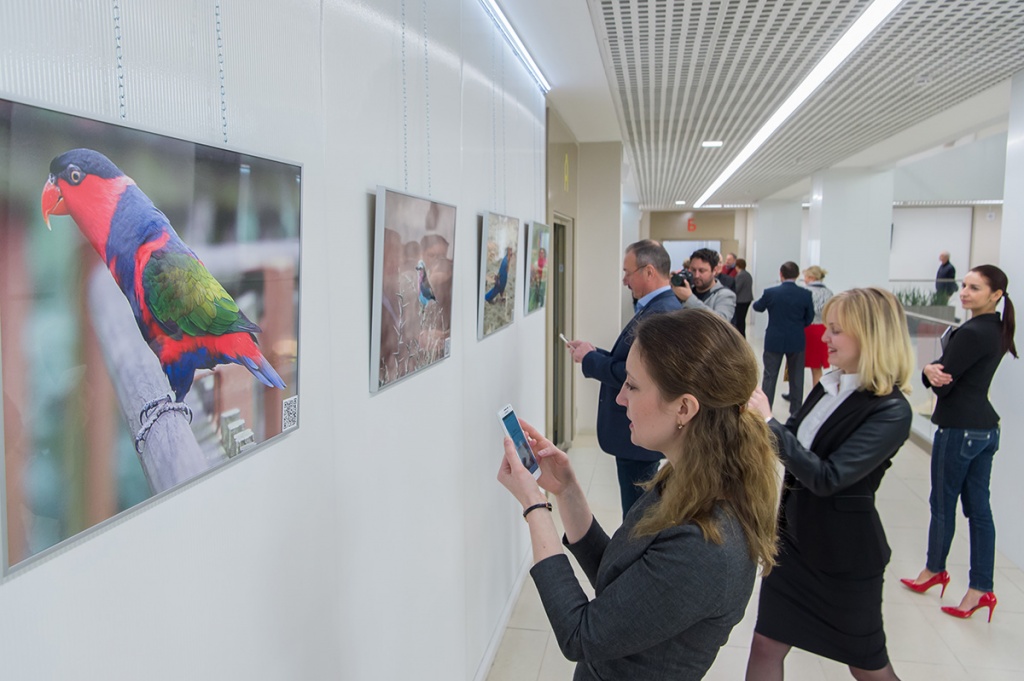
<point x="940" y="578"/>
<point x="987" y="600"/>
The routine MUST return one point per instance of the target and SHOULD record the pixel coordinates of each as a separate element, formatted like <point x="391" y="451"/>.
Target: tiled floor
<point x="924" y="644"/>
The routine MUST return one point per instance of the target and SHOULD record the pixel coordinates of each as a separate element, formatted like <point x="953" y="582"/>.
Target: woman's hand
<point x="936" y="376"/>
<point x="758" y="403"/>
<point x="514" y="477"/>
<point x="556" y="471"/>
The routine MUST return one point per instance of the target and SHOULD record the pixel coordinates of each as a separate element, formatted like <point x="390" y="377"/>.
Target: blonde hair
<point x="875" y="318"/>
<point x="728" y="454"/>
<point x="816" y="272"/>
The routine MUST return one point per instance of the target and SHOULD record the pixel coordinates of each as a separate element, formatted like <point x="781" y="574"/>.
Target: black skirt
<point x="833" y="616"/>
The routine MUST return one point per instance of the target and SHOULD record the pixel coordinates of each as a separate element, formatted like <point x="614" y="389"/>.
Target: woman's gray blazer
<point x="664" y="604"/>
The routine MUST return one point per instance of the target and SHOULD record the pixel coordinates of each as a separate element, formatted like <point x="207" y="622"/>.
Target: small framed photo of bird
<point x="411" y="320"/>
<point x="537" y="266"/>
<point x="499" y="246"/>
<point x="149" y="309"/>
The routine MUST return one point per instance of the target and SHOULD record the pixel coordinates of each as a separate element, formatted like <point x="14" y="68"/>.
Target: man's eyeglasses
<point x="627" y="275"/>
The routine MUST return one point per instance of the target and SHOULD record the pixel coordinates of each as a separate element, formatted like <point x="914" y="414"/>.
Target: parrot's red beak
<point x="52" y="201"/>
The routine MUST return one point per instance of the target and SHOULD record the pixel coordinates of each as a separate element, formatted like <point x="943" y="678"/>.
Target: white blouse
<point x="838" y="386"/>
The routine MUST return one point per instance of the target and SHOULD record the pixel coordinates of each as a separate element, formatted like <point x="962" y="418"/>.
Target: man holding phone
<point x="645" y="272"/>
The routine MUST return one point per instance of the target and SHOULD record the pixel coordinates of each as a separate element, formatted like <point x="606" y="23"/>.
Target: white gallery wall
<point x="920" y="234"/>
<point x="374" y="541"/>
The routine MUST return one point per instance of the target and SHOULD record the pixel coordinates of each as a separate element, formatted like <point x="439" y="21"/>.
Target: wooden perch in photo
<point x="170" y="454"/>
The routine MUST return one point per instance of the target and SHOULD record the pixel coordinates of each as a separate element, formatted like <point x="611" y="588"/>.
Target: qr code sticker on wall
<point x="290" y="413"/>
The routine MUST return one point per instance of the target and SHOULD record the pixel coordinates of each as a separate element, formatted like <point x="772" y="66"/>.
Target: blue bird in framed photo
<point x="426" y="293"/>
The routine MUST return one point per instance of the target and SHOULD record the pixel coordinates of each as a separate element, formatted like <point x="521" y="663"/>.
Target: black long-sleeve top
<point x="971" y="357"/>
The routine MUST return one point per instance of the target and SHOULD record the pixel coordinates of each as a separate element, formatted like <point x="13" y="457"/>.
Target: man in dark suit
<point x="790" y="308"/>
<point x="645" y="272"/>
<point x="945" y="277"/>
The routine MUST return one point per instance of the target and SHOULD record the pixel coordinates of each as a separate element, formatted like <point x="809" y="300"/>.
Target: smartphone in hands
<point x="510" y="422"/>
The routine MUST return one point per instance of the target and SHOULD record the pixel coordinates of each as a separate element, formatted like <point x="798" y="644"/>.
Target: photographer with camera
<point x="697" y="287"/>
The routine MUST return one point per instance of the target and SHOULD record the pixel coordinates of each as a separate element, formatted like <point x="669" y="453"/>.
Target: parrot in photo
<point x="426" y="293"/>
<point x="184" y="314"/>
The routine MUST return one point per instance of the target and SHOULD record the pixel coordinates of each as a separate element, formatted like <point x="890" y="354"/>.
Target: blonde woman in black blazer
<point x="825" y="596"/>
<point x="672" y="582"/>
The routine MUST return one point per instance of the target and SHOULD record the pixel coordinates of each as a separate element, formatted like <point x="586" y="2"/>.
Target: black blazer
<point x="609" y="367"/>
<point x="790" y="308"/>
<point x="828" y="500"/>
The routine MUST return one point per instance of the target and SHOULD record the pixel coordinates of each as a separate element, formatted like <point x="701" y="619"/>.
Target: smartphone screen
<point x="515" y="431"/>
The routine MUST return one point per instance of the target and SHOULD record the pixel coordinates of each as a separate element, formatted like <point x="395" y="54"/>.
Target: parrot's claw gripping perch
<point x="152" y="404"/>
<point x="154" y="410"/>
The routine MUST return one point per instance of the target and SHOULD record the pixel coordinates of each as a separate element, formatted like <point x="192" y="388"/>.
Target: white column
<point x="777" y="237"/>
<point x="850" y="227"/>
<point x="1008" y="470"/>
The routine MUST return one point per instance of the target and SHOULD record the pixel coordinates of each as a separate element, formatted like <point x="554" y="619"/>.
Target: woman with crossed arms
<point x="967" y="438"/>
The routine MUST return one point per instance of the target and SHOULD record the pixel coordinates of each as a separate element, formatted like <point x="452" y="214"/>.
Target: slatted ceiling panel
<point x="683" y="72"/>
<point x="877" y="93"/>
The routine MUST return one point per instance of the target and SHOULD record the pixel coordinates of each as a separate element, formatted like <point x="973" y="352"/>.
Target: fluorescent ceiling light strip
<point x="858" y="33"/>
<point x="498" y="17"/>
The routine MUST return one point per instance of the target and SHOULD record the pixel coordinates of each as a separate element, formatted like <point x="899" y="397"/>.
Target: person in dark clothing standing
<point x="672" y="582"/>
<point x="967" y="438"/>
<point x="945" y="278"/>
<point x="825" y="596"/>
<point x="790" y="308"/>
<point x="645" y="272"/>
<point x="744" y="296"/>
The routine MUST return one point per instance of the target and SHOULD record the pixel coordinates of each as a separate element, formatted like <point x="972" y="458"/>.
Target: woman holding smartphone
<point x="967" y="438"/>
<point x="825" y="596"/>
<point x="676" y="577"/>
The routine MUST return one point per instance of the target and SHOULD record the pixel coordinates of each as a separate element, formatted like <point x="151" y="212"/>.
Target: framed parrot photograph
<point x="537" y="266"/>
<point x="499" y="246"/>
<point x="411" y="319"/>
<point x="149" y="317"/>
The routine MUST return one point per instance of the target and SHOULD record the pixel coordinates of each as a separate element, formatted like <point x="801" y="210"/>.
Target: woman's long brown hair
<point x="727" y="454"/>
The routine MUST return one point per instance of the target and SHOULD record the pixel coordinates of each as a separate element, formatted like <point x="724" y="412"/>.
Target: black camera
<point x="682" y="275"/>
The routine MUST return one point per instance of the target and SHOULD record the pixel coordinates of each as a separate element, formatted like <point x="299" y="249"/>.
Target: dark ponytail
<point x="997" y="281"/>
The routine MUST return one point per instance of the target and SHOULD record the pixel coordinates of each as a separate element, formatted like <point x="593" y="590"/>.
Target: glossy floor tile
<point x="924" y="644"/>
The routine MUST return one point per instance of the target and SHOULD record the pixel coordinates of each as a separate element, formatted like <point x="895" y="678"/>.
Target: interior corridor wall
<point x="373" y="542"/>
<point x="1008" y="465"/>
<point x="598" y="262"/>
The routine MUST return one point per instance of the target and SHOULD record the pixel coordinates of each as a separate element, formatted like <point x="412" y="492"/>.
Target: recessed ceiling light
<point x="710" y="144"/>
<point x="680" y="203"/>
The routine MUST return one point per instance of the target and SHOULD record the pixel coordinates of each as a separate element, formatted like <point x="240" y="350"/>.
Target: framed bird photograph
<point x="499" y="246"/>
<point x="537" y="266"/>
<point x="411" y="319"/>
<point x="149" y="317"/>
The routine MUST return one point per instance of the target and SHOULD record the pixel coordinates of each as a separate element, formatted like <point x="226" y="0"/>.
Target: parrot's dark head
<point x="86" y="161"/>
<point x="82" y="172"/>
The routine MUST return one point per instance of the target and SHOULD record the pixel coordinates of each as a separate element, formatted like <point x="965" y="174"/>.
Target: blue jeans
<point x="961" y="468"/>
<point x="630" y="473"/>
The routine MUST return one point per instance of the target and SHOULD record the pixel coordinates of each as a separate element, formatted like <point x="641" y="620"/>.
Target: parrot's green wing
<point x="185" y="298"/>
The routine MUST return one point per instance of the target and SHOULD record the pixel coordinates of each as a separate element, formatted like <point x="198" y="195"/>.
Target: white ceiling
<point x="662" y="76"/>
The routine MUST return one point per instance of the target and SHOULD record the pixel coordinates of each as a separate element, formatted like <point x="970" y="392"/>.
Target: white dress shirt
<point x="838" y="386"/>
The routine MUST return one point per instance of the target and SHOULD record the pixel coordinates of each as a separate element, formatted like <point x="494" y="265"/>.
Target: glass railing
<point x="930" y="312"/>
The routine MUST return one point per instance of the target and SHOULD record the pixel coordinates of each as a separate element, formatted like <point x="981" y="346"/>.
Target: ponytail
<point x="1009" y="326"/>
<point x="998" y="281"/>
